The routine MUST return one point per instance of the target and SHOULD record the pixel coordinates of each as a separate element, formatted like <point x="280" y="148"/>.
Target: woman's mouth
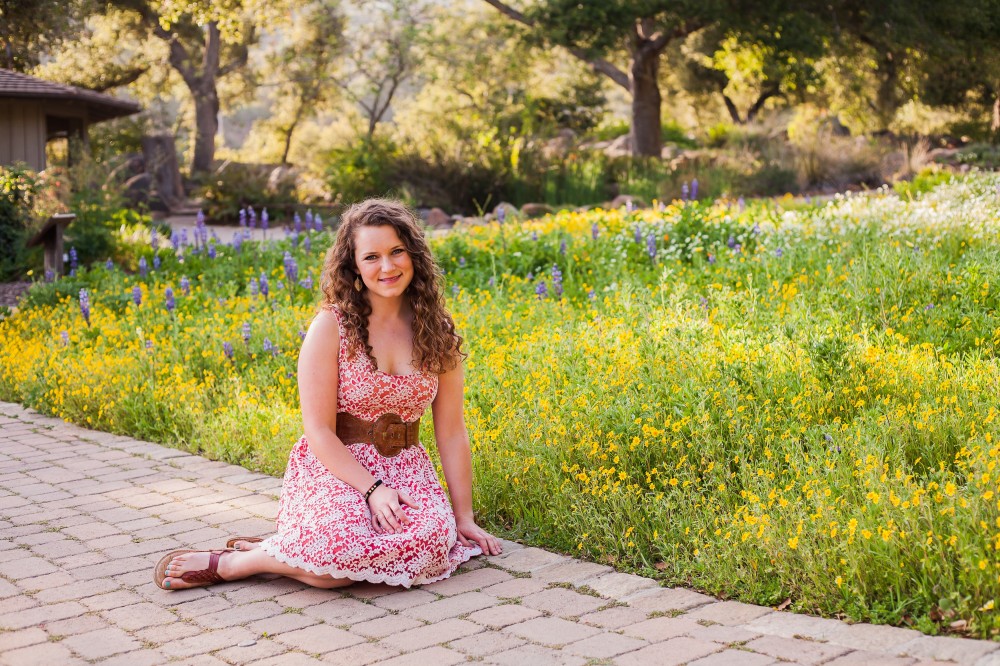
<point x="390" y="280"/>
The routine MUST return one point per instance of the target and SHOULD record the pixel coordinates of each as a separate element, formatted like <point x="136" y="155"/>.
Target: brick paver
<point x="84" y="515"/>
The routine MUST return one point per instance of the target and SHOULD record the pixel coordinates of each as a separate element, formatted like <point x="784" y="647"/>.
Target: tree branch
<point x="599" y="65"/>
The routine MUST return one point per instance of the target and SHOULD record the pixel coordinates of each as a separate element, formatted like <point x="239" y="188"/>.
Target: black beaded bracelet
<point x="378" y="482"/>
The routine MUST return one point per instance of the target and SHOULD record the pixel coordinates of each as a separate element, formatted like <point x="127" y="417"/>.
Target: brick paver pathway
<point x="84" y="515"/>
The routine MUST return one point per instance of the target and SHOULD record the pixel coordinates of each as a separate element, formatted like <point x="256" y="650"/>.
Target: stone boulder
<point x="533" y="210"/>
<point x="622" y="199"/>
<point x="509" y="209"/>
<point x="438" y="219"/>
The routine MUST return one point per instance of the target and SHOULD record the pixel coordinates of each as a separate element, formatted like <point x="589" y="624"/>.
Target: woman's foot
<point x="200" y="567"/>
<point x="244" y="543"/>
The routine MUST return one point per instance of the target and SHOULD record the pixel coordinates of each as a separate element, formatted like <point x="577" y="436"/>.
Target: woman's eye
<point x="398" y="250"/>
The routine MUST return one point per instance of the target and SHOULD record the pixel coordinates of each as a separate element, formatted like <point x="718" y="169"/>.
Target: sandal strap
<point x="209" y="576"/>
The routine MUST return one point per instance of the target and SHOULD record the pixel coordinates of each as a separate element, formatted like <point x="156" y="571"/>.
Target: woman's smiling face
<point x="382" y="260"/>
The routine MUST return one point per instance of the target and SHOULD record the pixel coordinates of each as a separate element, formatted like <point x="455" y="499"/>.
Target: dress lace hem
<point x="465" y="554"/>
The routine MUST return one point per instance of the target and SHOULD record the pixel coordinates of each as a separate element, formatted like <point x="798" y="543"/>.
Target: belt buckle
<point x="389" y="433"/>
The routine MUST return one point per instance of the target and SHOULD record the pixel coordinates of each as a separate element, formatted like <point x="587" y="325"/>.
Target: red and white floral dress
<point x="324" y="525"/>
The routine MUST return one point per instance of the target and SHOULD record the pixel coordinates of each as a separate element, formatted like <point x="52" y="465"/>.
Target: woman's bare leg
<point x="237" y="564"/>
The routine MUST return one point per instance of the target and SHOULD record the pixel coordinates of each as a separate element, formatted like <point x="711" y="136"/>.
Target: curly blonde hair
<point x="437" y="347"/>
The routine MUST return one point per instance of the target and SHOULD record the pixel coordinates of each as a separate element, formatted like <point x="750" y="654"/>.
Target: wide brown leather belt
<point x="389" y="433"/>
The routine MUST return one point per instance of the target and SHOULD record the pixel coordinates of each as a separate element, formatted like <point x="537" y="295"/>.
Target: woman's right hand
<point x="388" y="516"/>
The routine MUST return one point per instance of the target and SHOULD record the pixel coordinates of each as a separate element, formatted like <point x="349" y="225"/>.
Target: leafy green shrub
<point x="672" y="132"/>
<point x="360" y="170"/>
<point x="17" y="189"/>
<point x="923" y="182"/>
<point x="982" y="155"/>
<point x="235" y="185"/>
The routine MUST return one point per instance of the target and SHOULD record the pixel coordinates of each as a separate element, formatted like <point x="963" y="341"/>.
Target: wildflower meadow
<point x="786" y="403"/>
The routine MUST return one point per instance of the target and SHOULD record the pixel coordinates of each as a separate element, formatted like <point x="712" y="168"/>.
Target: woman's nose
<point x="387" y="263"/>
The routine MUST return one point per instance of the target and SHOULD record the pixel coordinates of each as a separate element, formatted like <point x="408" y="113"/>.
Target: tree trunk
<point x="995" y="120"/>
<point x="206" y="115"/>
<point x="734" y="113"/>
<point x="646" y="132"/>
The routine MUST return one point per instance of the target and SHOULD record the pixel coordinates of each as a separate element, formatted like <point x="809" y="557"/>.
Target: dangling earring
<point x="357" y="283"/>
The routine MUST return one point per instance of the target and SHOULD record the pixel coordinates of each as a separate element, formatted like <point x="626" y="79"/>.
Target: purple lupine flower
<point x="73" y="263"/>
<point x="227" y="349"/>
<point x="741" y="203"/>
<point x="186" y="285"/>
<point x="455" y="289"/>
<point x="557" y="285"/>
<point x="461" y="262"/>
<point x="501" y="214"/>
<point x="704" y="302"/>
<point x="199" y="219"/>
<point x="779" y="253"/>
<point x="65" y="338"/>
<point x="711" y="258"/>
<point x="110" y="265"/>
<point x="562" y="246"/>
<point x="595" y="231"/>
<point x="591" y="295"/>
<point x="534" y="235"/>
<point x="263" y="220"/>
<point x="530" y="277"/>
<point x="307" y="244"/>
<point x="629" y="206"/>
<point x="252" y="214"/>
<point x="318" y="222"/>
<point x="694" y="189"/>
<point x="306" y="283"/>
<point x="211" y="251"/>
<point x="237" y="242"/>
<point x="737" y="249"/>
<point x="175" y="240"/>
<point x="85" y="305"/>
<point x="156" y="262"/>
<point x="756" y="229"/>
<point x="50" y="275"/>
<point x="731" y="242"/>
<point x="263" y="285"/>
<point x="309" y="218"/>
<point x="137" y="295"/>
<point x="184" y="237"/>
<point x="638" y="234"/>
<point x="243" y="217"/>
<point x="297" y="223"/>
<point x="246" y="333"/>
<point x="929" y="306"/>
<point x="168" y="296"/>
<point x="302" y="334"/>
<point x="651" y="245"/>
<point x="154" y="240"/>
<point x="149" y="346"/>
<point x="295" y="238"/>
<point x="143" y="267"/>
<point x="684" y="191"/>
<point x="267" y="345"/>
<point x="492" y="282"/>
<point x="291" y="268"/>
<point x="254" y="289"/>
<point x="542" y="290"/>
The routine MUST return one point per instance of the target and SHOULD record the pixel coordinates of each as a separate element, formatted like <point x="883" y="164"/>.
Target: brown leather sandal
<point x="202" y="578"/>
<point x="232" y="542"/>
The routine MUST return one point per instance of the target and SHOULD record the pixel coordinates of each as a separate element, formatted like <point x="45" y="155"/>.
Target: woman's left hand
<point x="470" y="534"/>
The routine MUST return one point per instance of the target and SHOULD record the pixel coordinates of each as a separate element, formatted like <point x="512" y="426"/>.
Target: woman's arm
<point x="452" y="439"/>
<point x="319" y="370"/>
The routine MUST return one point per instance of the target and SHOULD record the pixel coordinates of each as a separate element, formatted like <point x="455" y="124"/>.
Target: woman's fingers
<point x="406" y="499"/>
